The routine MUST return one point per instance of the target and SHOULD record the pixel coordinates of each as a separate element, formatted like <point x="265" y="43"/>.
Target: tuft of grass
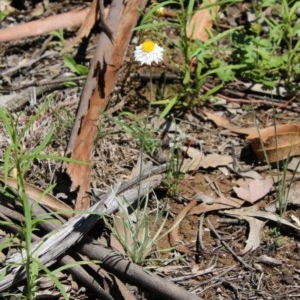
<point x="141" y="231"/>
<point x="135" y="127"/>
<point x="17" y="161"/>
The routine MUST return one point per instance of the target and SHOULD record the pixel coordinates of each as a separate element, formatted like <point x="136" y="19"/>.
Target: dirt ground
<point x="213" y="265"/>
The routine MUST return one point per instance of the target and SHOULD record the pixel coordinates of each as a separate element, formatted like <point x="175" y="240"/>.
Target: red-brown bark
<point x="100" y="84"/>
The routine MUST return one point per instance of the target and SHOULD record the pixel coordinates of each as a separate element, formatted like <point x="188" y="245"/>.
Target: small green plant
<point x="78" y="69"/>
<point x="135" y="126"/>
<point x="3" y="15"/>
<point x="199" y="59"/>
<point x="19" y="159"/>
<point x="276" y="236"/>
<point x="60" y="43"/>
<point x="270" y="47"/>
<point x="265" y="51"/>
<point x="74" y="67"/>
<point x="140" y="231"/>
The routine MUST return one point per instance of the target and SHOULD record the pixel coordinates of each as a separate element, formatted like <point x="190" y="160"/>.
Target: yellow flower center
<point x="148" y="46"/>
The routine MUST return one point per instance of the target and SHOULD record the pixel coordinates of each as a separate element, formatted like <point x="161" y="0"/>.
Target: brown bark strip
<point x="100" y="84"/>
<point x="38" y="194"/>
<point x="38" y="27"/>
<point x="85" y="28"/>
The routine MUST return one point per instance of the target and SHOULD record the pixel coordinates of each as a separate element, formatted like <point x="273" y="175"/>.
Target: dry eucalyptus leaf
<point x="191" y="164"/>
<point x="194" y="162"/>
<point x="215" y="160"/>
<point x="123" y="289"/>
<point x="255" y="231"/>
<point x="252" y="213"/>
<point x="225" y="123"/>
<point x="252" y="190"/>
<point x="294" y="165"/>
<point x="174" y="239"/>
<point x="276" y="142"/>
<point x="256" y="212"/>
<point x="251" y="174"/>
<point x="192" y="152"/>
<point x="205" y="161"/>
<point x="119" y="227"/>
<point x="293" y="193"/>
<point x="202" y="21"/>
<point x="217" y="204"/>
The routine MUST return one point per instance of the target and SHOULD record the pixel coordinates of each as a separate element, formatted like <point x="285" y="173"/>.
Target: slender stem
<point x="144" y="134"/>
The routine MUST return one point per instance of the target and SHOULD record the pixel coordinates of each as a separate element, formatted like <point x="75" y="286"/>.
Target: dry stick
<point x="16" y="101"/>
<point x="255" y="101"/>
<point x="78" y="271"/>
<point x="45" y="82"/>
<point x="238" y="258"/>
<point x="112" y="261"/>
<point x="51" y="247"/>
<point x="134" y="274"/>
<point x="117" y="265"/>
<point x="105" y="66"/>
<point x="38" y="27"/>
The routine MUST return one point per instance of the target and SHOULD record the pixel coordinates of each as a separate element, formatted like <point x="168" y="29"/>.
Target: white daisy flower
<point x="148" y="52"/>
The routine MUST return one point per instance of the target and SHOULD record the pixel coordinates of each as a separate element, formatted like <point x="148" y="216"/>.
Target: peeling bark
<point x="99" y="86"/>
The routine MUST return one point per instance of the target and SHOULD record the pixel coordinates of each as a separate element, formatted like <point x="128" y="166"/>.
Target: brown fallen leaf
<point x="202" y="21"/>
<point x="292" y="194"/>
<point x="225" y="123"/>
<point x="252" y="190"/>
<point x="255" y="232"/>
<point x="40" y="197"/>
<point x="218" y="203"/>
<point x="118" y="225"/>
<point x="215" y="160"/>
<point x="255" y="211"/>
<point x="198" y="159"/>
<point x="276" y="142"/>
<point x="123" y="289"/>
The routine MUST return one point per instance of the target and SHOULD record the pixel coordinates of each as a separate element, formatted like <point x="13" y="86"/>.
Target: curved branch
<point x="38" y="27"/>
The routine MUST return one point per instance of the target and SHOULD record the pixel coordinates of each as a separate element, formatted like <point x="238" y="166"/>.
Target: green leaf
<point x="168" y="108"/>
<point x="152" y="11"/>
<point x="74" y="67"/>
<point x="55" y="280"/>
<point x="153" y="25"/>
<point x="70" y="84"/>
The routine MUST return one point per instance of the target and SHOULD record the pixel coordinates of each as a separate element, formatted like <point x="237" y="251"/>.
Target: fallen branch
<point x="111" y="261"/>
<point x="51" y="247"/>
<point x="7" y="214"/>
<point x="38" y="27"/>
<point x="134" y="274"/>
